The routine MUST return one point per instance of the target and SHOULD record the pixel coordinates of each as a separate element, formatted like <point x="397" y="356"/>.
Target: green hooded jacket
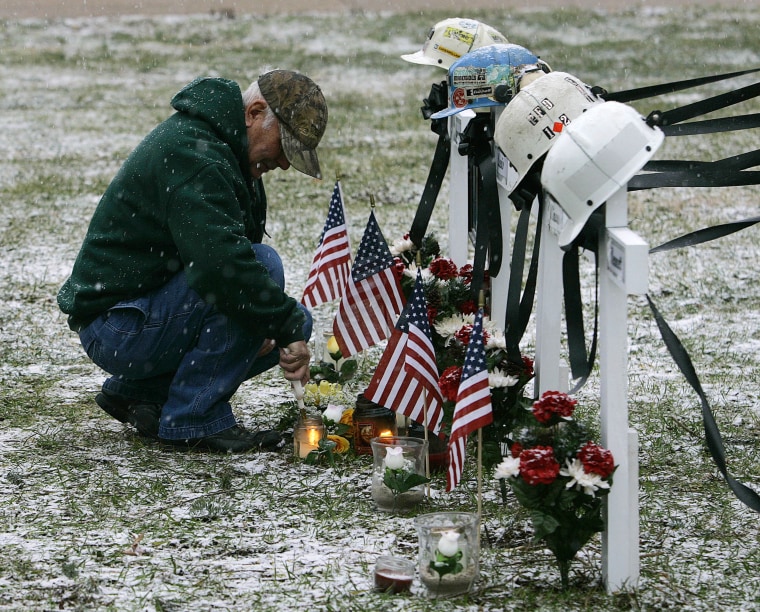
<point x="185" y="200"/>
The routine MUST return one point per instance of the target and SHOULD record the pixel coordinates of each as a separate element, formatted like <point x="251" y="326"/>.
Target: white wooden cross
<point x="623" y="271"/>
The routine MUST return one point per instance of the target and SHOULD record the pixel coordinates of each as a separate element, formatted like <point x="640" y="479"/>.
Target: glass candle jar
<point x="394" y="460"/>
<point x="449" y="551"/>
<point x="371" y="420"/>
<point x="307" y="435"/>
<point x="393" y="574"/>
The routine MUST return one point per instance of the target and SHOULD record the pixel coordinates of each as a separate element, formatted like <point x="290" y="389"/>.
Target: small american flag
<point x="473" y="409"/>
<point x="372" y="298"/>
<point x="332" y="261"/>
<point x="397" y="383"/>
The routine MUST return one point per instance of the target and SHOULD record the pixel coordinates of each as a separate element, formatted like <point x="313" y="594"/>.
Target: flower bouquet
<point x="451" y="312"/>
<point x="560" y="476"/>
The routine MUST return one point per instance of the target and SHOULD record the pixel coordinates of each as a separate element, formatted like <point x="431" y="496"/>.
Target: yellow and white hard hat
<point x="450" y="39"/>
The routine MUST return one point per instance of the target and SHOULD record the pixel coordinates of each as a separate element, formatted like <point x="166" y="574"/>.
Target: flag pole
<point x="425" y="412"/>
<point x="481" y="304"/>
<point x="427" y="440"/>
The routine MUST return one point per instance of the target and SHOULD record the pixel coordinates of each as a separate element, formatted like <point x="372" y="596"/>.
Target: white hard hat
<point x="536" y="115"/>
<point x="450" y="39"/>
<point x="594" y="157"/>
<point x="488" y="76"/>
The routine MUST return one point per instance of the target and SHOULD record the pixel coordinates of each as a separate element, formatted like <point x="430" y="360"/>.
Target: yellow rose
<point x="348" y="419"/>
<point x="334" y="349"/>
<point x="341" y="444"/>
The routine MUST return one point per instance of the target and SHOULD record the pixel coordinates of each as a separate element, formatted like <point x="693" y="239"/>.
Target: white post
<point x="458" y="190"/>
<point x="623" y="267"/>
<point x="551" y="374"/>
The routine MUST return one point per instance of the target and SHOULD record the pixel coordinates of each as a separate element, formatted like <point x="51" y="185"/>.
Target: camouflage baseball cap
<point x="301" y="109"/>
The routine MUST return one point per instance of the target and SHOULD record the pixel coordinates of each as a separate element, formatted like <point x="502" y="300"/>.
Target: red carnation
<point x="449" y="382"/>
<point x="463" y="335"/>
<point x="468" y="307"/>
<point x="528" y="364"/>
<point x="443" y="268"/>
<point x="516" y="450"/>
<point x="538" y="465"/>
<point x="596" y="460"/>
<point x="552" y="406"/>
<point x="432" y="313"/>
<point x="465" y="273"/>
<point x="398" y="267"/>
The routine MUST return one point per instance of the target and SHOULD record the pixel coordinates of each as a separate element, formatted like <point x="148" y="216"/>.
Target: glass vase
<point x="396" y="467"/>
<point x="449" y="552"/>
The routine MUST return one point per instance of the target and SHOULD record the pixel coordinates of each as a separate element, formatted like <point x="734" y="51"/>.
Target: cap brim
<point x="299" y="155"/>
<point x="447" y="112"/>
<point x="420" y="58"/>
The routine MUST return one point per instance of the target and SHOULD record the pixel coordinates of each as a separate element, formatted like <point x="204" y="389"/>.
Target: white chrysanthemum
<point x="402" y="245"/>
<point x="590" y="483"/>
<point x="497" y="378"/>
<point x="451" y="325"/>
<point x="496" y="339"/>
<point x="411" y="272"/>
<point x="510" y="466"/>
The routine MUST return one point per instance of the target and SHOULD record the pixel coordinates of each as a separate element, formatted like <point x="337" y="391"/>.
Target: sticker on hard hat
<point x="460" y="35"/>
<point x="458" y="98"/>
<point x="447" y="51"/>
<point x="558" y="218"/>
<point x="468" y="75"/>
<point x="478" y="92"/>
<point x="506" y="174"/>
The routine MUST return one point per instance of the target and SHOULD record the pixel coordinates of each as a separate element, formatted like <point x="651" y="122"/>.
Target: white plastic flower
<point x="590" y="483"/>
<point x="497" y="378"/>
<point x="446" y="328"/>
<point x="509" y="467"/>
<point x="402" y="245"/>
<point x="394" y="457"/>
<point x="448" y="545"/>
<point x="332" y="413"/>
<point x="495" y="339"/>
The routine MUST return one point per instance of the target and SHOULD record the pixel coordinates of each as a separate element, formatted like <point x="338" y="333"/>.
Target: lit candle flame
<point x="385" y="434"/>
<point x="314" y="435"/>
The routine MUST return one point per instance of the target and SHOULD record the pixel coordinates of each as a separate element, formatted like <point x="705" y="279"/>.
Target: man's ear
<point x="254" y="109"/>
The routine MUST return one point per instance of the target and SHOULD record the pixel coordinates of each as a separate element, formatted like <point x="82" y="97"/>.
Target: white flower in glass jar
<point x="448" y="545"/>
<point x="394" y="457"/>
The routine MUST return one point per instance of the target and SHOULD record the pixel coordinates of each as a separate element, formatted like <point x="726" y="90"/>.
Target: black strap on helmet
<point x="651" y="91"/>
<point x="436" y="100"/>
<point x="475" y="143"/>
<point x="682" y="359"/>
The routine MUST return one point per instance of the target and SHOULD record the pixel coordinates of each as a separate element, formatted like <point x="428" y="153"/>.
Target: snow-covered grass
<point x="93" y="518"/>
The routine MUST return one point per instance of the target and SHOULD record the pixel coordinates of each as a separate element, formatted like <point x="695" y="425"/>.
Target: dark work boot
<point x="142" y="415"/>
<point x="236" y="439"/>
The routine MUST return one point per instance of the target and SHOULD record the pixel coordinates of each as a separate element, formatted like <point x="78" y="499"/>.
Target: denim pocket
<point x="126" y="318"/>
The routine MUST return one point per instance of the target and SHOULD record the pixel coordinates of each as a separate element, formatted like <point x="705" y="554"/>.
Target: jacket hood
<point x="219" y="103"/>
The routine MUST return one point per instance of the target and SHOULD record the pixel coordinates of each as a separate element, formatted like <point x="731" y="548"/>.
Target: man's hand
<point x="294" y="360"/>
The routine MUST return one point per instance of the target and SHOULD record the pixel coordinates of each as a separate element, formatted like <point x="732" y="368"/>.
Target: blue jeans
<point x="171" y="348"/>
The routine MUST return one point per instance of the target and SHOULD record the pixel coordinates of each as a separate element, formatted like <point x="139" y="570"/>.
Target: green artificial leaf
<point x="347" y="370"/>
<point x="400" y="481"/>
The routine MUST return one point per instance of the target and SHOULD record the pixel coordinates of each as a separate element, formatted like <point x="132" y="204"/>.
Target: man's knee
<point x="271" y="260"/>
